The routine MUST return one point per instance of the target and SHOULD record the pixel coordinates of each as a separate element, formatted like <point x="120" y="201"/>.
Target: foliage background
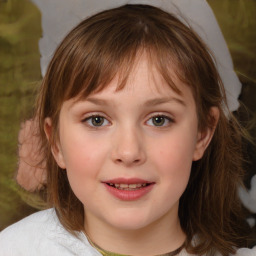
<point x="20" y="30"/>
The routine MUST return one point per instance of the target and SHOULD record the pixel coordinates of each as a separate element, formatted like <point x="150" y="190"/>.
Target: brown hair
<point x="107" y="44"/>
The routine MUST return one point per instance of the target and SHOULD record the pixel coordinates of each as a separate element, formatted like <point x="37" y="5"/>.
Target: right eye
<point x="160" y="121"/>
<point x="96" y="121"/>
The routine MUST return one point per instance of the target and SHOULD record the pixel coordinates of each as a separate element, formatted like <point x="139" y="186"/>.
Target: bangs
<point x="108" y="45"/>
<point x="121" y="68"/>
<point x="98" y="50"/>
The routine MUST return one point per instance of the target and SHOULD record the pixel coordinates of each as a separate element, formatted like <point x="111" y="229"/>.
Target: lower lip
<point x="129" y="195"/>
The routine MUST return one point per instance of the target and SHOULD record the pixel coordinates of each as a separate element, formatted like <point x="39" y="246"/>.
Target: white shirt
<point x="42" y="234"/>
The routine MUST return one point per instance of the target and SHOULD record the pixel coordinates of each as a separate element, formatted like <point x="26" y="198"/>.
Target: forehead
<point x="146" y="82"/>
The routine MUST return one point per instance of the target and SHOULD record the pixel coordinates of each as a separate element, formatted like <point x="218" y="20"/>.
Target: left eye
<point x="96" y="121"/>
<point x="159" y="120"/>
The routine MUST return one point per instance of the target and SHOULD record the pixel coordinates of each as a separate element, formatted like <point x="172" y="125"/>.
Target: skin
<point x="128" y="144"/>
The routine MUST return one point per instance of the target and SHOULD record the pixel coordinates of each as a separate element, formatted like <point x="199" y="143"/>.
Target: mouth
<point x="128" y="189"/>
<point x="125" y="186"/>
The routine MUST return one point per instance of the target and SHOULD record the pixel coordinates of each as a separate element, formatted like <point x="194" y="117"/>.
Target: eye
<point x="159" y="120"/>
<point x="96" y="121"/>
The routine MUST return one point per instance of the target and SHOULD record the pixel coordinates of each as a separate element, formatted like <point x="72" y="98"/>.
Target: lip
<point x="127" y="181"/>
<point x="128" y="195"/>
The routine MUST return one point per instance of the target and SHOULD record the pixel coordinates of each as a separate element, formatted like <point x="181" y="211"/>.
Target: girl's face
<point x="128" y="153"/>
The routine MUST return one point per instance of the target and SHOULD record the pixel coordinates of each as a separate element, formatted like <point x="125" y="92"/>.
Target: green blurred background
<point x="20" y="30"/>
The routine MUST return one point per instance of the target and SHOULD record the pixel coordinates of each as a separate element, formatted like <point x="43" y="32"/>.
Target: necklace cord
<point x="108" y="253"/>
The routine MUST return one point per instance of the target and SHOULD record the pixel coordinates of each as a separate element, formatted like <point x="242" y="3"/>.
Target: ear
<point x="204" y="137"/>
<point x="55" y="148"/>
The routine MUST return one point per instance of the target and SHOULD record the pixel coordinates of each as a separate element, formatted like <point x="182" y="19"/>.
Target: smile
<point x="128" y="189"/>
<point x="128" y="186"/>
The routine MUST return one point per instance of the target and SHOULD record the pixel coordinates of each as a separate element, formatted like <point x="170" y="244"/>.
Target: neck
<point x="156" y="239"/>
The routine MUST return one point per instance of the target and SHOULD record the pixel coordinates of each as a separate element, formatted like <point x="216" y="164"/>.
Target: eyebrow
<point x="99" y="101"/>
<point x="159" y="101"/>
<point x="148" y="103"/>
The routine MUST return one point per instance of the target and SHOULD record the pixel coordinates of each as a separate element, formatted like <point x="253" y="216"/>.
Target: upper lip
<point x="127" y="181"/>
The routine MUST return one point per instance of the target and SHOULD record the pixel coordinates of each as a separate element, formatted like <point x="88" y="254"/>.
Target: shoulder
<point x="246" y="252"/>
<point x="42" y="234"/>
<point x="35" y="225"/>
<point x="41" y="218"/>
<point x="239" y="252"/>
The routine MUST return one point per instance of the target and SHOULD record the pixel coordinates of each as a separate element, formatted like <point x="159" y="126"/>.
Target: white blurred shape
<point x="251" y="222"/>
<point x="249" y="197"/>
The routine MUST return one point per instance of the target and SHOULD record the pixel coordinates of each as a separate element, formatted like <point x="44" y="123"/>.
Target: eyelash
<point x="166" y="119"/>
<point x="89" y="120"/>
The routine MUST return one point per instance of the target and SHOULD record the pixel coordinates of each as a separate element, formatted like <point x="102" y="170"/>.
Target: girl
<point x="142" y="155"/>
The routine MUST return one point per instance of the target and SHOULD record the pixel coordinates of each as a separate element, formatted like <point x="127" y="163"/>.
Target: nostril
<point x="125" y="161"/>
<point x="128" y="157"/>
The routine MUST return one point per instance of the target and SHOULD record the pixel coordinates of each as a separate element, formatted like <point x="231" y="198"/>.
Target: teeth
<point x="132" y="186"/>
<point x="128" y="186"/>
<point x="124" y="185"/>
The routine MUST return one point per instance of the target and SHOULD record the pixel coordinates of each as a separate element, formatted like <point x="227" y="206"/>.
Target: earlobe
<point x="204" y="138"/>
<point x="55" y="147"/>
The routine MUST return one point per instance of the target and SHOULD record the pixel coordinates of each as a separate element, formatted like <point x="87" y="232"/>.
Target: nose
<point x="128" y="148"/>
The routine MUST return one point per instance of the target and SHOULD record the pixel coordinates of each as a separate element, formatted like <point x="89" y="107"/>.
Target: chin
<point x="130" y="220"/>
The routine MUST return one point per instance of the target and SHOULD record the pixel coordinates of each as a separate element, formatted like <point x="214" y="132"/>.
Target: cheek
<point x="82" y="152"/>
<point x="175" y="175"/>
<point x="173" y="157"/>
<point x="175" y="168"/>
<point x="84" y="158"/>
<point x="176" y="151"/>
